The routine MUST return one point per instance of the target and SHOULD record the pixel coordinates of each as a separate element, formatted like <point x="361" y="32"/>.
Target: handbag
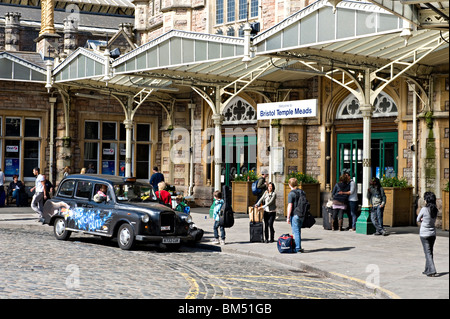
<point x="308" y="221"/>
<point x="286" y="244"/>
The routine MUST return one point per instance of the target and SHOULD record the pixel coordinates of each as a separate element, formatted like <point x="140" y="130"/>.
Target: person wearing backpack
<point x="293" y="219"/>
<point x="216" y="217"/>
<point x="261" y="186"/>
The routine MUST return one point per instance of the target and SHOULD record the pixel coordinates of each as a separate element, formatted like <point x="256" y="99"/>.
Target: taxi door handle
<point x="87" y="206"/>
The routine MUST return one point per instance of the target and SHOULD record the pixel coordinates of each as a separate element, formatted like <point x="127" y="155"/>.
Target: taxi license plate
<point x="171" y="240"/>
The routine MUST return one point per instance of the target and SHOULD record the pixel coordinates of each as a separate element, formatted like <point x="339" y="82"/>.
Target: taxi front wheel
<point x="125" y="237"/>
<point x="60" y="229"/>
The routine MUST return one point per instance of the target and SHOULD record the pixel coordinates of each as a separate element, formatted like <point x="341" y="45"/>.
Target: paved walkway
<point x="390" y="265"/>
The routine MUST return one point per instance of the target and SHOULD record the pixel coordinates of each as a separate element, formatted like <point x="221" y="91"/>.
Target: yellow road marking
<point x="369" y="285"/>
<point x="194" y="289"/>
<point x="296" y="278"/>
<point x="291" y="285"/>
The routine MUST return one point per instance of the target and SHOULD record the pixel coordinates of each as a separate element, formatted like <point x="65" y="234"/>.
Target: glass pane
<point x="143" y="132"/>
<point x="219" y="11"/>
<point x="231" y="11"/>
<point x="91" y="151"/>
<point x="84" y="189"/>
<point x="91" y="130"/>
<point x="12" y="126"/>
<point x="109" y="131"/>
<point x="31" y="157"/>
<point x="242" y="9"/>
<point x="109" y="151"/>
<point x="67" y="188"/>
<point x="12" y="158"/>
<point x="91" y="157"/>
<point x="254" y="8"/>
<point x="123" y="133"/>
<point x="377" y="162"/>
<point x="122" y="154"/>
<point x="32" y="128"/>
<point x="142" y="160"/>
<point x="389" y="159"/>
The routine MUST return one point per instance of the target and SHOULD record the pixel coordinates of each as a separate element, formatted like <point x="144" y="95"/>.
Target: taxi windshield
<point x="134" y="192"/>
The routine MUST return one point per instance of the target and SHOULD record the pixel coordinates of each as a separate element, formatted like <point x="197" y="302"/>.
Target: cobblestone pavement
<point x="33" y="264"/>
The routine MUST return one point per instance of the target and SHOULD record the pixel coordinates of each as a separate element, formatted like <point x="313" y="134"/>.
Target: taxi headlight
<point x="186" y="218"/>
<point x="145" y="218"/>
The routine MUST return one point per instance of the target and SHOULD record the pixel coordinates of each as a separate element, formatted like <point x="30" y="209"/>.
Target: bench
<point x="26" y="201"/>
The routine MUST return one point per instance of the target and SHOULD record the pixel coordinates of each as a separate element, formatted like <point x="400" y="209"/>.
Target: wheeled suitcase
<point x="256" y="227"/>
<point x="326" y="217"/>
<point x="256" y="232"/>
<point x="326" y="214"/>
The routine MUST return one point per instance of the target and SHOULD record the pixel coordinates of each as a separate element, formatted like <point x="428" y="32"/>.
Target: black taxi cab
<point x="116" y="207"/>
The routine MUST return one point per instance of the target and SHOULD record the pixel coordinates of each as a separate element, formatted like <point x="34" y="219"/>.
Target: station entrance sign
<point x="287" y="109"/>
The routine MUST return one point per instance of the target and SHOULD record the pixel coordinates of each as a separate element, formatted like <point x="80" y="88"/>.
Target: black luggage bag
<point x="256" y="232"/>
<point x="256" y="229"/>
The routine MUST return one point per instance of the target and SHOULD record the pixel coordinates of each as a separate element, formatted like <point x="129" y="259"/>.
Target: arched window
<point x="238" y="111"/>
<point x="384" y="106"/>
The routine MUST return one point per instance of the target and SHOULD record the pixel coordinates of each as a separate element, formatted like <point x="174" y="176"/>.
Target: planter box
<point x="242" y="196"/>
<point x="445" y="207"/>
<point x="312" y="194"/>
<point x="398" y="209"/>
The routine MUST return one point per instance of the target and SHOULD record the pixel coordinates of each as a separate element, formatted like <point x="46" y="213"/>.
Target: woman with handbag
<point x="340" y="201"/>
<point x="269" y="198"/>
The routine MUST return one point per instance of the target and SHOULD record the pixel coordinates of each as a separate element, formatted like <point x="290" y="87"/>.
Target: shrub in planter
<point x="310" y="186"/>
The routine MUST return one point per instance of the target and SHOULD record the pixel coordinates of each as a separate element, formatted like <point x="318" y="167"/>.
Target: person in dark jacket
<point x="17" y="190"/>
<point x="262" y="185"/>
<point x="340" y="201"/>
<point x="156" y="178"/>
<point x="377" y="198"/>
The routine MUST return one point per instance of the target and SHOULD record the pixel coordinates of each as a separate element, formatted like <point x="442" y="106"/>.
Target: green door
<point x="238" y="156"/>
<point x="383" y="153"/>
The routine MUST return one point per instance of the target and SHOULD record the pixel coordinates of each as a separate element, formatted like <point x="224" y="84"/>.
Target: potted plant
<point x="241" y="191"/>
<point x="445" y="207"/>
<point x="310" y="186"/>
<point x="399" y="201"/>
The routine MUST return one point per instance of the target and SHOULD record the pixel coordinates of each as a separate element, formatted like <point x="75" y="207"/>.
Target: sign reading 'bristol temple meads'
<point x="288" y="109"/>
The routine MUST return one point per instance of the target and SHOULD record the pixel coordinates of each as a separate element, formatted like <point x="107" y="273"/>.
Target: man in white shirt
<point x="353" y="202"/>
<point x="37" y="203"/>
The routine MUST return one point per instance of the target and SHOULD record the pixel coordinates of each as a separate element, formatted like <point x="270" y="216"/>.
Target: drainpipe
<point x="414" y="138"/>
<point x="270" y="151"/>
<point x="191" y="163"/>
<point x="51" y="144"/>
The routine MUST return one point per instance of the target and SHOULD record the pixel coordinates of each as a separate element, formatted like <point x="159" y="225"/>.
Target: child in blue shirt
<point x="217" y="207"/>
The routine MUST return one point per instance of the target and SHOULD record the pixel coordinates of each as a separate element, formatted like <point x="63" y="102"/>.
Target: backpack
<point x="226" y="216"/>
<point x="255" y="189"/>
<point x="302" y="205"/>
